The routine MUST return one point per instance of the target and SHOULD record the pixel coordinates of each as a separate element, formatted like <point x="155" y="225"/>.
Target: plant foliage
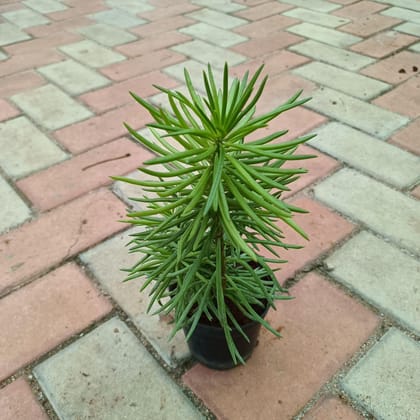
<point x="214" y="202"/>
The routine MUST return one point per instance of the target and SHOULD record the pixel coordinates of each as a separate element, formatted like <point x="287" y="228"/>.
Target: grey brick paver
<point x="408" y="28"/>
<point x="13" y="210"/>
<point x="73" y="77"/>
<point x="219" y="19"/>
<point x="368" y="154"/>
<point x="20" y="157"/>
<point x="327" y="35"/>
<point x="118" y="18"/>
<point x="381" y="208"/>
<point x="213" y="34"/>
<point x="337" y="56"/>
<point x="317" y="5"/>
<point x="220" y="5"/>
<point x="403" y="14"/>
<point x="357" y="113"/>
<point x="51" y="107"/>
<point x="130" y="6"/>
<point x="317" y="18"/>
<point x="25" y="18"/>
<point x="92" y="54"/>
<point x="195" y="70"/>
<point x="45" y="6"/>
<point x="107" y="35"/>
<point x="10" y="34"/>
<point x="387" y="380"/>
<point x="345" y="81"/>
<point x="373" y="268"/>
<point x="408" y="4"/>
<point x="108" y="375"/>
<point x="208" y="53"/>
<point x="106" y="261"/>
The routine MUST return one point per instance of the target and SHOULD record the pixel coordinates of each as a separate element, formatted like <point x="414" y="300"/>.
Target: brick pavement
<point x="76" y="343"/>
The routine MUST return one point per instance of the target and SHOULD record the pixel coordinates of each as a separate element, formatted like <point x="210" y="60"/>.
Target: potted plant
<point x="212" y="205"/>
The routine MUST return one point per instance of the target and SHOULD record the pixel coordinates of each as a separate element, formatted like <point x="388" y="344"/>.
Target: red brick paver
<point x="60" y="304"/>
<point x="18" y="402"/>
<point x="282" y="375"/>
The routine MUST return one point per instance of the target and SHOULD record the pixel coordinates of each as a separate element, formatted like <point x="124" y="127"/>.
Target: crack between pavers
<point x="106" y="160"/>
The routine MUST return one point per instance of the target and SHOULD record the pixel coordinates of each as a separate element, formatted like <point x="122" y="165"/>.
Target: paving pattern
<point x="76" y="343"/>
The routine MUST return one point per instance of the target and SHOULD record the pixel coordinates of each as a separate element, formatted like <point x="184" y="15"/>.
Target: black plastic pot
<point x="208" y="344"/>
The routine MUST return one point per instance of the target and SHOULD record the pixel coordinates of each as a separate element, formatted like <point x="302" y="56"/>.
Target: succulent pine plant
<point x="214" y="202"/>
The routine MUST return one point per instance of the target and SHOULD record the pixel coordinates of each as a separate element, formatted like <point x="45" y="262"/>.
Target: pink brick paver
<point x="20" y="82"/>
<point x="404" y="99"/>
<point x="137" y="66"/>
<point x="18" y="402"/>
<point x="7" y="110"/>
<point x="360" y="9"/>
<point x="152" y="43"/>
<point x="396" y="68"/>
<point x="332" y="409"/>
<point x="326" y="229"/>
<point x="59" y="305"/>
<point x="282" y="375"/>
<point x="48" y="292"/>
<point x="416" y="192"/>
<point x="383" y="43"/>
<point x="117" y="94"/>
<point x="408" y="138"/>
<point x="102" y="128"/>
<point x="85" y="172"/>
<point x="55" y="236"/>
